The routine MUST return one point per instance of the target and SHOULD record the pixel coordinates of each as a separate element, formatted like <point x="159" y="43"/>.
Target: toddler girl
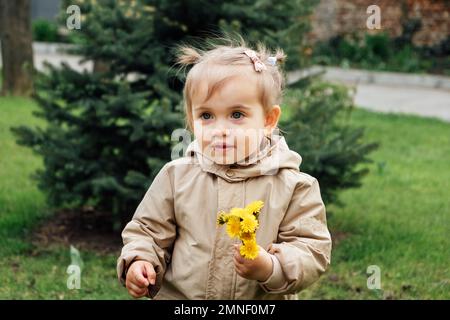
<point x="173" y="247"/>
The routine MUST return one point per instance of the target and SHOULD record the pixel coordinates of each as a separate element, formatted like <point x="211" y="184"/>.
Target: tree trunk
<point x="100" y="66"/>
<point x="16" y="47"/>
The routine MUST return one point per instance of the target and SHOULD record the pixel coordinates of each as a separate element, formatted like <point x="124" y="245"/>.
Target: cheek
<point x="198" y="129"/>
<point x="256" y="121"/>
<point x="202" y="134"/>
<point x="247" y="141"/>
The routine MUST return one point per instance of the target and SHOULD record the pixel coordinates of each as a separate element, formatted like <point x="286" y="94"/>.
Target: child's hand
<point x="140" y="275"/>
<point x="258" y="269"/>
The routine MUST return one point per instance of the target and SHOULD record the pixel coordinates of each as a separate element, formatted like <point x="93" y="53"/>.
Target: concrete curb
<point x="48" y="48"/>
<point x="355" y="76"/>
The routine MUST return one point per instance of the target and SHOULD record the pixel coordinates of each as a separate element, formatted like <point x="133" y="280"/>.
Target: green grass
<point x="398" y="220"/>
<point x="21" y="203"/>
<point x="29" y="272"/>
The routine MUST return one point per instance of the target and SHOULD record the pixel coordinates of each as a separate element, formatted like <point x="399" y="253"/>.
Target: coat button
<point x="229" y="173"/>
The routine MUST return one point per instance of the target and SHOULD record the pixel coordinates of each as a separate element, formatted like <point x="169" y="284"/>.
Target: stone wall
<point x="340" y="17"/>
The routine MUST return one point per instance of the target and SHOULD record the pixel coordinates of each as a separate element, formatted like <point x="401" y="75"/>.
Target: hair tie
<point x="258" y="64"/>
<point x="272" y="60"/>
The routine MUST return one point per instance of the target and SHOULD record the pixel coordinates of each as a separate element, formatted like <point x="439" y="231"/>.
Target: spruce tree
<point x="319" y="128"/>
<point x="108" y="132"/>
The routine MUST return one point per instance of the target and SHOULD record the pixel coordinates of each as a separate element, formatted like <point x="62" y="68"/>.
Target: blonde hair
<point x="220" y="62"/>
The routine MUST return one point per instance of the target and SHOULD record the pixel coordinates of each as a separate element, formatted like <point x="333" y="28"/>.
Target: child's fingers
<point x="150" y="273"/>
<point x="239" y="259"/>
<point x="237" y="255"/>
<point x="239" y="268"/>
<point x="136" y="289"/>
<point x="237" y="264"/>
<point x="137" y="294"/>
<point x="140" y="278"/>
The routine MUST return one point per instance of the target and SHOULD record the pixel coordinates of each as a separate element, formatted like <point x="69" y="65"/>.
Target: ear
<point x="272" y="117"/>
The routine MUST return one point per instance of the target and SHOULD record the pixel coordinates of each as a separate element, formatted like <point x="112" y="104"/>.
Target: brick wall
<point x="334" y="17"/>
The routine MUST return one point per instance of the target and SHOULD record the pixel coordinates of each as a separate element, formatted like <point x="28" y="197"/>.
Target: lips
<point x="222" y="146"/>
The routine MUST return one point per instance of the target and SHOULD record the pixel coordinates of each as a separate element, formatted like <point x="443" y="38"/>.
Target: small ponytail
<point x="280" y="56"/>
<point x="187" y="56"/>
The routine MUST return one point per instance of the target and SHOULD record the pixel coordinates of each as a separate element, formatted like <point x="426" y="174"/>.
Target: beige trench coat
<point x="174" y="226"/>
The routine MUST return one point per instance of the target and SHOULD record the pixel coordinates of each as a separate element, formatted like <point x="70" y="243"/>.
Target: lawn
<point x="398" y="220"/>
<point x="30" y="272"/>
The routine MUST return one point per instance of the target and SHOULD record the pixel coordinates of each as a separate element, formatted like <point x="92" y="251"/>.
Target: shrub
<point x="318" y="128"/>
<point x="45" y="31"/>
<point x="373" y="52"/>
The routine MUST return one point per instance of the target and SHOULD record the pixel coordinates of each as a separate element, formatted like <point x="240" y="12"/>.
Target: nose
<point x="220" y="130"/>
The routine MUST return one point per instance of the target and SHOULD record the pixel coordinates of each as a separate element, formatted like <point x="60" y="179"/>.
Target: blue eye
<point x="236" y="115"/>
<point x="205" y="116"/>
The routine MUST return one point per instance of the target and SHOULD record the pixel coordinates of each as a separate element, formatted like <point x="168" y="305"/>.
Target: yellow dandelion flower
<point x="249" y="223"/>
<point x="255" y="206"/>
<point x="222" y="218"/>
<point x="237" y="212"/>
<point x="233" y="226"/>
<point x="242" y="223"/>
<point x="249" y="250"/>
<point x="247" y="236"/>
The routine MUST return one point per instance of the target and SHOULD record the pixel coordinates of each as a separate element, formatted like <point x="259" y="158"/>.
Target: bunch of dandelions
<point x="242" y="224"/>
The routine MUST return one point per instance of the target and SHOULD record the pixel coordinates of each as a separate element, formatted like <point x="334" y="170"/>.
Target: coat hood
<point x="272" y="156"/>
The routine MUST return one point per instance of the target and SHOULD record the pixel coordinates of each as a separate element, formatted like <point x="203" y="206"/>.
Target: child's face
<point x="230" y="124"/>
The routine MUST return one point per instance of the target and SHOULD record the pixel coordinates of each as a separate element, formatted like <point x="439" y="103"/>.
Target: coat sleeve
<point x="303" y="248"/>
<point x="151" y="233"/>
